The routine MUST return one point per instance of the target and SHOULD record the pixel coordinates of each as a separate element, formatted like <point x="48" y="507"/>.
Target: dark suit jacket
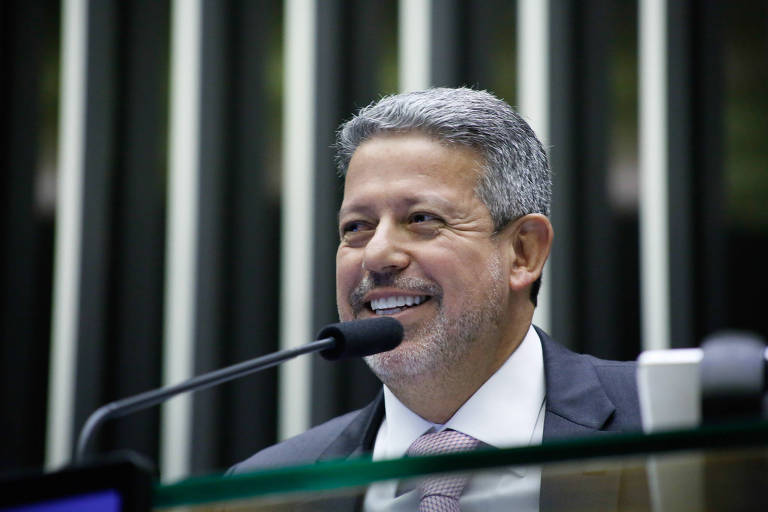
<point x="585" y="396"/>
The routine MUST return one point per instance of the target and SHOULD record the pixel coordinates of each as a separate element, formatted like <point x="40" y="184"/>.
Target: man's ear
<point x="531" y="241"/>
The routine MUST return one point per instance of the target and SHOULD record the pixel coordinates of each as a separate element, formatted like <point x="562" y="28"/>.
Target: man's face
<point x="417" y="244"/>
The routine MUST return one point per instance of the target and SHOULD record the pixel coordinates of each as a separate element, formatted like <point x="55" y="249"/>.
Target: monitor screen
<point x="104" y="486"/>
<point x="103" y="501"/>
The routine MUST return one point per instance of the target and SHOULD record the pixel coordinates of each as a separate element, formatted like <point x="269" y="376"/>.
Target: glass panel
<point x="692" y="480"/>
<point x="712" y="468"/>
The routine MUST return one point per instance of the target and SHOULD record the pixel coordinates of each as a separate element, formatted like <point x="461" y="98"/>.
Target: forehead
<point x="391" y="159"/>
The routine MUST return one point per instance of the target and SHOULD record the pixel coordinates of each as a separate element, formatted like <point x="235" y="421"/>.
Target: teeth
<point x="397" y="301"/>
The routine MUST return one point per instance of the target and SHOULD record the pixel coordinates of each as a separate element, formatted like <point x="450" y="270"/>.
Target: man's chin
<point x="404" y="363"/>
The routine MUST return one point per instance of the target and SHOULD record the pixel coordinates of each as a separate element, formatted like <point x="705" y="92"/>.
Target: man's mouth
<point x="395" y="304"/>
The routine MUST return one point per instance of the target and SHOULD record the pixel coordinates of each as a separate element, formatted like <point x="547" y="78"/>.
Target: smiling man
<point x="418" y="244"/>
<point x="444" y="226"/>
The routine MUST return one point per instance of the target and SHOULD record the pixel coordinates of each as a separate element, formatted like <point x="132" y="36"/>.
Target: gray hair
<point x="515" y="179"/>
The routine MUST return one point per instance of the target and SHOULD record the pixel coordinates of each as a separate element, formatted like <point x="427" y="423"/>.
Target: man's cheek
<point x="342" y="304"/>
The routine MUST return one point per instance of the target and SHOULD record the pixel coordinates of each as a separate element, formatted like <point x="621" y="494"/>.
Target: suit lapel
<point x="354" y="441"/>
<point x="577" y="405"/>
<point x="358" y="438"/>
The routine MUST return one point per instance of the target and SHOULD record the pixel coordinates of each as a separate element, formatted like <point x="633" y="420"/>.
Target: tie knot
<point x="447" y="441"/>
<point x="441" y="493"/>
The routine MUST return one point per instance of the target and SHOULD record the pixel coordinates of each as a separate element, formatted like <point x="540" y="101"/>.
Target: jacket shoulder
<point x="586" y="394"/>
<point x="619" y="380"/>
<point x="304" y="448"/>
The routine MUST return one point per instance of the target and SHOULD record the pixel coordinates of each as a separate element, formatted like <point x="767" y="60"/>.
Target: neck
<point x="436" y="396"/>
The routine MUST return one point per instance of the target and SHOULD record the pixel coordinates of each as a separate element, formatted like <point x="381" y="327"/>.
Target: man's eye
<point x="422" y="217"/>
<point x="352" y="227"/>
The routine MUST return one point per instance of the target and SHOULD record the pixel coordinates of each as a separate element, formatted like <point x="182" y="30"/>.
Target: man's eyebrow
<point x="350" y="209"/>
<point x="425" y="198"/>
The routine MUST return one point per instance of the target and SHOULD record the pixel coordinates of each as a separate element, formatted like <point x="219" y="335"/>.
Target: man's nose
<point x="385" y="251"/>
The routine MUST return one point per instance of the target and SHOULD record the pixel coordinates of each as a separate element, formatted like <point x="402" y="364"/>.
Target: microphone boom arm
<point x="145" y="400"/>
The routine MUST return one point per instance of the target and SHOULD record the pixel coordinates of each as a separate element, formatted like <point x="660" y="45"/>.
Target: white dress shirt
<point x="507" y="410"/>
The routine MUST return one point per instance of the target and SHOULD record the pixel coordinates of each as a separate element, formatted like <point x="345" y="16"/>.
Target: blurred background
<point x="169" y="194"/>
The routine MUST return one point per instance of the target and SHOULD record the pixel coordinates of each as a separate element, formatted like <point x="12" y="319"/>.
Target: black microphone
<point x="337" y="341"/>
<point x="362" y="337"/>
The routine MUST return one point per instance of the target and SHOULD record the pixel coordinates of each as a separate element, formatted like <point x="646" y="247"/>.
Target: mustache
<point x="373" y="280"/>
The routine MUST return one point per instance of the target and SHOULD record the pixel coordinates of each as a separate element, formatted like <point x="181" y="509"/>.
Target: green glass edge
<point x="357" y="472"/>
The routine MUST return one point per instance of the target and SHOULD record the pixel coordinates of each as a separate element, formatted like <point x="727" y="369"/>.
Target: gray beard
<point x="441" y="344"/>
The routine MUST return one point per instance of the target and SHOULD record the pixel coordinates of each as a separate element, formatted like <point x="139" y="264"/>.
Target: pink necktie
<point x="441" y="494"/>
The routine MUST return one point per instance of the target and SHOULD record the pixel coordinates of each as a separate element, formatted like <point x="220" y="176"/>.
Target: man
<point x="444" y="226"/>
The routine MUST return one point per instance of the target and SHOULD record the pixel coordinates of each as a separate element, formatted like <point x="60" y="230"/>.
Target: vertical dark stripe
<point x="581" y="259"/>
<point x="252" y="216"/>
<point x="597" y="232"/>
<point x="680" y="173"/>
<point x="564" y="259"/>
<point x="708" y="133"/>
<point x="134" y="340"/>
<point x="27" y="30"/>
<point x="369" y="24"/>
<point x="446" y="44"/>
<point x="332" y="23"/>
<point x="482" y="21"/>
<point x="99" y="154"/>
<point x="208" y="320"/>
<point x="594" y="286"/>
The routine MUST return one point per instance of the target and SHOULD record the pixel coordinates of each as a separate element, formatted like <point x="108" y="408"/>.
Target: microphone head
<point x="361" y="338"/>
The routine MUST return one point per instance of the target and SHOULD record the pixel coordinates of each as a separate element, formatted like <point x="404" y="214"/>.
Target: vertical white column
<point x="297" y="210"/>
<point x="414" y="45"/>
<point x="66" y="278"/>
<point x="533" y="97"/>
<point x="654" y="211"/>
<point x="182" y="234"/>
